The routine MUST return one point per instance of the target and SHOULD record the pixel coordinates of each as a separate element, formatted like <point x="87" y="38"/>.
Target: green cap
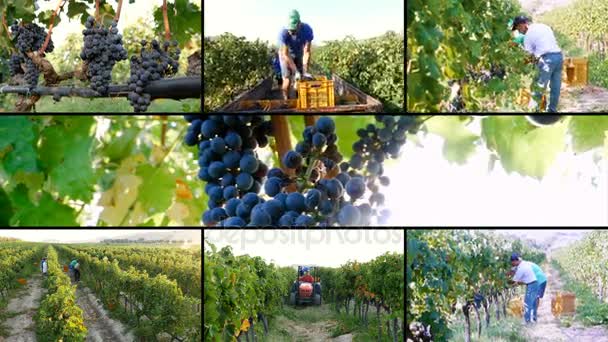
<point x="294" y="20"/>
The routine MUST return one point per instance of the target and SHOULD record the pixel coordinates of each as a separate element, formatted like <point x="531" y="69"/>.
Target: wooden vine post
<point x="282" y="135"/>
<point x="310" y="120"/>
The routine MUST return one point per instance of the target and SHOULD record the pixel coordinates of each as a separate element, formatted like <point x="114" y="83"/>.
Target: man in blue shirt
<point x="294" y="50"/>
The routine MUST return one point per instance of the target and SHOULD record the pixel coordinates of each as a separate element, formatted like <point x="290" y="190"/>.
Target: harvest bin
<point x="315" y="94"/>
<point x="563" y="303"/>
<point x="575" y="71"/>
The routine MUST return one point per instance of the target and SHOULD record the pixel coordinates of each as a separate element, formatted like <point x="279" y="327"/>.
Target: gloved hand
<point x="298" y="76"/>
<point x="307" y="76"/>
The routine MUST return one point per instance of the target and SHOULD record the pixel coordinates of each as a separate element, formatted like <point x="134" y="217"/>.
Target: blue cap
<point x="514" y="256"/>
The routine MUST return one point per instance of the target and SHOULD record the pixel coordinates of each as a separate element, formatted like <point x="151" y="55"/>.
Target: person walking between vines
<point x="44" y="266"/>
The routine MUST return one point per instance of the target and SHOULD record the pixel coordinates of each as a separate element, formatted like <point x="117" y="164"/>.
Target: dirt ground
<point x="549" y="329"/>
<point x="100" y="327"/>
<point x="584" y="99"/>
<point x="302" y="331"/>
<point x="21" y="327"/>
<point x="23" y="307"/>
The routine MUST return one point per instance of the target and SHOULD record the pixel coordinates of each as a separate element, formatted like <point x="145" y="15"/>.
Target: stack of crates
<point x="316" y="94"/>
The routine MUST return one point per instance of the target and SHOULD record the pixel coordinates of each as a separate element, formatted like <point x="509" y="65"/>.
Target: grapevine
<point x="24" y="48"/>
<point x="450" y="269"/>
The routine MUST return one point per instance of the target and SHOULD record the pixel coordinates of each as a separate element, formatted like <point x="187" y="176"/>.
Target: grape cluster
<point x="153" y="63"/>
<point x="318" y="190"/>
<point x="14" y="64"/>
<point x="418" y="333"/>
<point x="101" y="50"/>
<point x="229" y="164"/>
<point x="29" y="37"/>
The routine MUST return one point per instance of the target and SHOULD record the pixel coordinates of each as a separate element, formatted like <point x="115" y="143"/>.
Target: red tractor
<point x="306" y="288"/>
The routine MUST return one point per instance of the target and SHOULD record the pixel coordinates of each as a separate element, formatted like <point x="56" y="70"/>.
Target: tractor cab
<point x="307" y="287"/>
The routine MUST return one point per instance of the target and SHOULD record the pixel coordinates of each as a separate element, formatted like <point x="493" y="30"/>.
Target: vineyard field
<point x="83" y="292"/>
<point x="465" y="57"/>
<point x="467" y="285"/>
<point x="249" y="297"/>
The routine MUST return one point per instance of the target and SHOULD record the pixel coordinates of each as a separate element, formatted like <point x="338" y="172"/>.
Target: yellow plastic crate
<point x="315" y="94"/>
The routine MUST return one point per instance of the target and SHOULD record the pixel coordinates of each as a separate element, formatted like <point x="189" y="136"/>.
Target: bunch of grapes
<point x="318" y="190"/>
<point x="29" y="37"/>
<point x="228" y="162"/>
<point x="329" y="195"/>
<point x="14" y="64"/>
<point x="153" y="63"/>
<point x="418" y="333"/>
<point x="101" y="50"/>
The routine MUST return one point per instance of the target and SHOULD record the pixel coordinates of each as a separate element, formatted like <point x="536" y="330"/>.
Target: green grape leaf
<point x="523" y="148"/>
<point x="120" y="147"/>
<point x="6" y="209"/>
<point x="156" y="191"/>
<point x="184" y="20"/>
<point x="588" y="131"/>
<point x="65" y="153"/>
<point x="47" y="212"/>
<point x="460" y="142"/>
<point x="17" y="144"/>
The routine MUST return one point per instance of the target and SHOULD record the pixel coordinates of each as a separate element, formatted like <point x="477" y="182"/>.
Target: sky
<point x="287" y="247"/>
<point x="129" y="14"/>
<point x="431" y="191"/>
<point x="329" y="19"/>
<point x="70" y="235"/>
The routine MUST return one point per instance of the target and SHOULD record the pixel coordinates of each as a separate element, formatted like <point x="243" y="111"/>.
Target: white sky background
<point x="129" y="14"/>
<point x="329" y="248"/>
<point x="427" y="190"/>
<point x="69" y="235"/>
<point x="540" y="235"/>
<point x="329" y="19"/>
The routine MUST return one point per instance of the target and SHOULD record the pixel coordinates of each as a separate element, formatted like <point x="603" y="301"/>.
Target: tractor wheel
<point x="292" y="298"/>
<point x="317" y="299"/>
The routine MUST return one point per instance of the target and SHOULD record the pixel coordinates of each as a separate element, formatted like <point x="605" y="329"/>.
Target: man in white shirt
<point x="540" y="41"/>
<point x="524" y="275"/>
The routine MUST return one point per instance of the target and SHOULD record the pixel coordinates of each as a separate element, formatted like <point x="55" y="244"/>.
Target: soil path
<point x="549" y="329"/>
<point x="23" y="307"/>
<point x="303" y="331"/>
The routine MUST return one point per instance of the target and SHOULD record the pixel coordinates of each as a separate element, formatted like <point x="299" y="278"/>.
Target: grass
<point x="506" y="330"/>
<point x="113" y="105"/>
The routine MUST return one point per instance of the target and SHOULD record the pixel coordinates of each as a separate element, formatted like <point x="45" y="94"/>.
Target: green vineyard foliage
<point x="237" y="288"/>
<point x="157" y="304"/>
<point x="232" y="65"/>
<point x="183" y="265"/>
<point x="447" y="39"/>
<point x="13" y="258"/>
<point x="59" y="318"/>
<point x="586" y="261"/>
<point x="445" y="268"/>
<point x="373" y="65"/>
